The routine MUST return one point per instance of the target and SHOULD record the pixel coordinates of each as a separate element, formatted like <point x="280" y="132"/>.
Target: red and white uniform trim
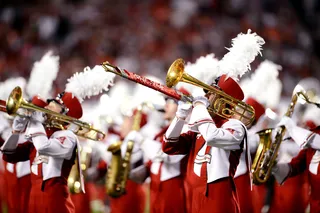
<point x="220" y="140"/>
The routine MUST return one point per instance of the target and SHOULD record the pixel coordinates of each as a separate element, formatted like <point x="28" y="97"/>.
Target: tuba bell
<point x="237" y="109"/>
<point x="267" y="151"/>
<point x="54" y="119"/>
<point x="118" y="171"/>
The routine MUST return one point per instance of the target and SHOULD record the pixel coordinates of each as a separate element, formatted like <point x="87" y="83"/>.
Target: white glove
<point x="37" y="116"/>
<point x="287" y="122"/>
<point x="19" y="123"/>
<point x="184" y="109"/>
<point x="134" y="136"/>
<point x="201" y="99"/>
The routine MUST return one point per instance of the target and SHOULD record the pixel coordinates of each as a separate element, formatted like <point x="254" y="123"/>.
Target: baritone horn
<point x="237" y="109"/>
<point x="267" y="151"/>
<point x="54" y="119"/>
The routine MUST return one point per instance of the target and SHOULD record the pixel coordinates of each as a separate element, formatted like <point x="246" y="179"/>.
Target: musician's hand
<point x="200" y="100"/>
<point x="37" y="116"/>
<point x="73" y="127"/>
<point x="184" y="109"/>
<point x="19" y="124"/>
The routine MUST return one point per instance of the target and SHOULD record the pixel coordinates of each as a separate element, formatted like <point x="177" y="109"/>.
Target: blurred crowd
<point x="146" y="36"/>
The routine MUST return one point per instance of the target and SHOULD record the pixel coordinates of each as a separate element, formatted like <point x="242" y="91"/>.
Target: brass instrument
<point x="267" y="151"/>
<point x="85" y="130"/>
<point x="119" y="169"/>
<point x="74" y="183"/>
<point x="237" y="109"/>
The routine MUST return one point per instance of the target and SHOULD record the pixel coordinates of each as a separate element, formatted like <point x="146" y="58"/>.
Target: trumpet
<point x="57" y="120"/>
<point x="267" y="151"/>
<point x="237" y="110"/>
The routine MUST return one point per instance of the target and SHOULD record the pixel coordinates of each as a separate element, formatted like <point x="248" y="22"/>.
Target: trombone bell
<point x="237" y="109"/>
<point x="14" y="101"/>
<point x="57" y="120"/>
<point x="175" y="73"/>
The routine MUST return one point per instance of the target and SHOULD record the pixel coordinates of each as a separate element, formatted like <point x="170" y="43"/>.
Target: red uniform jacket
<point x="298" y="165"/>
<point x="48" y="196"/>
<point x="166" y="196"/>
<point x="218" y="196"/>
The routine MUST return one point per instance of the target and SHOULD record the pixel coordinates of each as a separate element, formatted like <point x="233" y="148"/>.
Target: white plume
<point x="264" y="84"/>
<point x="7" y="86"/>
<point x="43" y="73"/>
<point x="116" y="102"/>
<point x="90" y="82"/>
<point x="245" y="47"/>
<point x="204" y="69"/>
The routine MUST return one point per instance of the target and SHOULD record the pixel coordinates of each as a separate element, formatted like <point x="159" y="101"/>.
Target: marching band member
<point x="53" y="151"/>
<point x="206" y="187"/>
<point x="307" y="159"/>
<point x="134" y="195"/>
<point x="215" y="143"/>
<point x="18" y="174"/>
<point x="165" y="171"/>
<point x="262" y="90"/>
<point x="141" y="100"/>
<point x="124" y="107"/>
<point x="16" y="177"/>
<point x="286" y="194"/>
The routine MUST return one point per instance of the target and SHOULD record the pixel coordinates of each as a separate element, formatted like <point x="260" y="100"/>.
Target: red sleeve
<point x="21" y="153"/>
<point x="299" y="163"/>
<point x="180" y="145"/>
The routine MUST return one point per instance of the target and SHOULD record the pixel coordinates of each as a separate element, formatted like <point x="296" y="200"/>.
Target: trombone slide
<point x="145" y="82"/>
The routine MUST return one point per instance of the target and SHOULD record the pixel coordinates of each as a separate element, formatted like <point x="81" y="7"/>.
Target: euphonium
<point x="16" y="101"/>
<point x="119" y="169"/>
<point x="74" y="183"/>
<point x="267" y="151"/>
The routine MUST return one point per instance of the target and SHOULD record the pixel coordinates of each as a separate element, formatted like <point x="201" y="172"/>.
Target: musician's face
<point x="170" y="109"/>
<point x="212" y="97"/>
<point x="53" y="106"/>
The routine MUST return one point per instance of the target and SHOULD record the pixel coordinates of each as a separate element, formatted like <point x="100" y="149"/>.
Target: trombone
<point x="238" y="109"/>
<point x="57" y="120"/>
